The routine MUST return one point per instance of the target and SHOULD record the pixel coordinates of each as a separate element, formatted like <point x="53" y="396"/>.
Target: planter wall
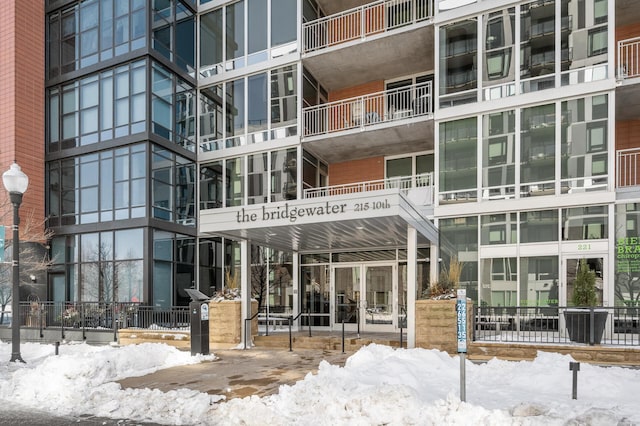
<point x="225" y="323"/>
<point x="436" y="324"/>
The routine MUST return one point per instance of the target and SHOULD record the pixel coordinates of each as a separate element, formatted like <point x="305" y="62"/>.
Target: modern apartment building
<point x="331" y="157"/>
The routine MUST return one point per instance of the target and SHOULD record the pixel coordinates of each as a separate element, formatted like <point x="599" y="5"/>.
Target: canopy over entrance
<point x="333" y="223"/>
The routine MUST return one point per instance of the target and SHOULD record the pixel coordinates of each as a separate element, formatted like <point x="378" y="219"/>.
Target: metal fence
<point x="99" y="316"/>
<point x="617" y="326"/>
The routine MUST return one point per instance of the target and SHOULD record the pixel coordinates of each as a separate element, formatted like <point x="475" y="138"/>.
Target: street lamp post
<point x="16" y="183"/>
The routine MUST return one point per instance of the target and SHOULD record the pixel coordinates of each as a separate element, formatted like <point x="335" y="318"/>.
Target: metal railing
<point x="368" y="110"/>
<point x="616" y="326"/>
<point x="629" y="58"/>
<point x="627" y="161"/>
<point x="360" y="22"/>
<point x="101" y="316"/>
<point x="403" y="183"/>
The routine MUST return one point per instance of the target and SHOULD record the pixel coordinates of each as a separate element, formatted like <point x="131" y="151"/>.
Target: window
<point x="597" y="41"/>
<point x="596" y="136"/>
<point x="497" y="151"/>
<point x="600" y="11"/>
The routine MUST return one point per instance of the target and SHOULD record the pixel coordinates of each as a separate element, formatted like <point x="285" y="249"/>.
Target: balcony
<point x="382" y="123"/>
<point x="418" y="189"/>
<point x="380" y="40"/>
<point x="629" y="58"/>
<point x="627" y="162"/>
<point x="628" y="76"/>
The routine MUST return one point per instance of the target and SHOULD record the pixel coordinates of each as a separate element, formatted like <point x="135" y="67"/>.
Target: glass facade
<point x="269" y="177"/>
<point x="94" y="31"/>
<point x="580" y="154"/>
<point x="553" y="37"/>
<point x="257" y="108"/>
<point x="251" y="34"/>
<point x="106" y="181"/>
<point x="216" y="95"/>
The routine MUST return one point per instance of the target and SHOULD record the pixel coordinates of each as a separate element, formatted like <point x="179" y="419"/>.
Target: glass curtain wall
<point x="245" y="33"/>
<point x="585" y="144"/>
<point x="256" y="108"/>
<point x="271" y="176"/>
<point x="555" y="37"/>
<point x="458" y="160"/>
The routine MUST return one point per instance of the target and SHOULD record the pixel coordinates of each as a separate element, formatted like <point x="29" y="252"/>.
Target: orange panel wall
<point x="627" y="134"/>
<point x="627" y="31"/>
<point x="356" y="171"/>
<point x="22" y="103"/>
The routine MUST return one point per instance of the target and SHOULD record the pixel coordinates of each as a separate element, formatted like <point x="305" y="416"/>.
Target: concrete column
<point x="412" y="276"/>
<point x="245" y="289"/>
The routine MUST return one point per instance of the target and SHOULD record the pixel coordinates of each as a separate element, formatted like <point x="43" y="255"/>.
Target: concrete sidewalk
<point x="240" y="373"/>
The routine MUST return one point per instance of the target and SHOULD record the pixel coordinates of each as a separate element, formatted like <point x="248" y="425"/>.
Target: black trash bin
<point x="199" y="316"/>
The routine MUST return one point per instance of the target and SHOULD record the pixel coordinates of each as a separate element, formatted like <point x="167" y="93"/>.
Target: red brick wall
<point x="22" y="103"/>
<point x="356" y="171"/>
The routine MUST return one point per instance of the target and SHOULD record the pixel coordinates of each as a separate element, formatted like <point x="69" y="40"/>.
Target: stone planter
<point x="436" y="324"/>
<point x="225" y="323"/>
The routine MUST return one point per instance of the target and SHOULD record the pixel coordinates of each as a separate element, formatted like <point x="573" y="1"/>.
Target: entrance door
<point x="364" y="297"/>
<point x="377" y="307"/>
<point x="346" y="290"/>
<point x="596" y="263"/>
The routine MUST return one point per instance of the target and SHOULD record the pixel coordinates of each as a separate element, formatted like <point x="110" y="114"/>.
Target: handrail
<point x="291" y="320"/>
<point x="247" y="328"/>
<point x="629" y="58"/>
<point x="627" y="161"/>
<point x="362" y="21"/>
<point x="368" y="110"/>
<point x="404" y="183"/>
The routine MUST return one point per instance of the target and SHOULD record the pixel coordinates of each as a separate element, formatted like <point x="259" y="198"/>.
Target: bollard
<point x="575" y="367"/>
<point x="57" y="347"/>
<point x="343" y="335"/>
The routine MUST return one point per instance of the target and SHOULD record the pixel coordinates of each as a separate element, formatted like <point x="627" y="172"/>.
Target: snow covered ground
<point x="377" y="385"/>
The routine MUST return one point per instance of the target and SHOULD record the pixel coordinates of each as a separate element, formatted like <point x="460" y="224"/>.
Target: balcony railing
<point x="360" y="22"/>
<point x="408" y="185"/>
<point x="627" y="161"/>
<point x="368" y="110"/>
<point x="629" y="58"/>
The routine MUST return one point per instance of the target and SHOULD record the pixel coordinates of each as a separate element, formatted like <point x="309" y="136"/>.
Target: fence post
<point x="592" y="320"/>
<point x="343" y="334"/>
<point x="290" y="336"/>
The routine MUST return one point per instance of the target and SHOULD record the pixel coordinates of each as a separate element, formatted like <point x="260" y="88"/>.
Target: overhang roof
<point x="351" y="222"/>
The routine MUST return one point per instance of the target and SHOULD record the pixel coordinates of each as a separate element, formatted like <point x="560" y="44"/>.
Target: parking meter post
<point x="199" y="321"/>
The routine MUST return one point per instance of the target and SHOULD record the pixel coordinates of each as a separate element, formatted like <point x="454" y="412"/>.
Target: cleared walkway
<point x="240" y="373"/>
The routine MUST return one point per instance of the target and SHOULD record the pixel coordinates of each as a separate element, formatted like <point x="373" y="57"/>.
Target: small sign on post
<point x="461" y="311"/>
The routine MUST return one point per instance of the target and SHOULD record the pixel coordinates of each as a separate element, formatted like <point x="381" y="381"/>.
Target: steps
<point x="322" y="342"/>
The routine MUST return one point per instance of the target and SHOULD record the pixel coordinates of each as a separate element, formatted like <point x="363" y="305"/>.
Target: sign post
<point x="461" y="310"/>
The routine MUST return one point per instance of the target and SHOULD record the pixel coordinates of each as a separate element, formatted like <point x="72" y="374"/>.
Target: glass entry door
<point x="364" y="297"/>
<point x="377" y="305"/>
<point x="346" y="298"/>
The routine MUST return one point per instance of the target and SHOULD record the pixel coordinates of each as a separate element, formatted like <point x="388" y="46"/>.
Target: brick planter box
<point x="225" y="323"/>
<point x="436" y="324"/>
